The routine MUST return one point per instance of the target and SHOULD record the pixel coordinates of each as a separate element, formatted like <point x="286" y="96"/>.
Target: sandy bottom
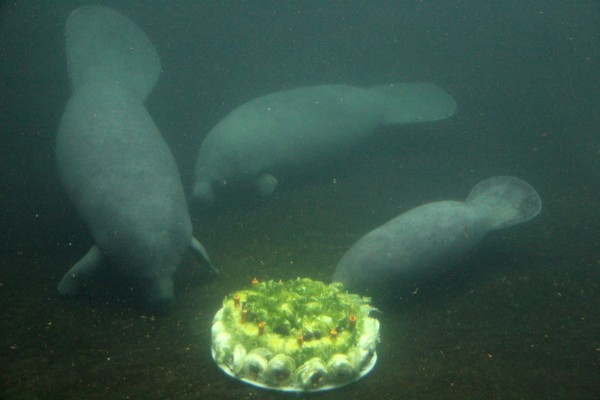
<point x="519" y="320"/>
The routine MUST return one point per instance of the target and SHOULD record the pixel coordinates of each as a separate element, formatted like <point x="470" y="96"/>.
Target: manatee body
<point x="113" y="162"/>
<point x="422" y="243"/>
<point x="293" y="129"/>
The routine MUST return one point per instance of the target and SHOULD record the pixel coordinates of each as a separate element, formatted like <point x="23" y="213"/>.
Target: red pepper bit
<point x="244" y="316"/>
<point x="352" y="322"/>
<point x="236" y="300"/>
<point x="261" y="328"/>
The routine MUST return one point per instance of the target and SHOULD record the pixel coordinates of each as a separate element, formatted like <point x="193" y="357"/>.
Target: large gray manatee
<point x="422" y="243"/>
<point x="113" y="162"/>
<point x="292" y="129"/>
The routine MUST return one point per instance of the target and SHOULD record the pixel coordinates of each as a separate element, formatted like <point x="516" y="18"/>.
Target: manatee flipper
<point x="404" y="103"/>
<point x="507" y="200"/>
<point x="266" y="185"/>
<point x="81" y="273"/>
<point x="201" y="251"/>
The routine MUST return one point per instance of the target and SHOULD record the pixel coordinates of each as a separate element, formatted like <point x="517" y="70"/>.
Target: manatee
<point x="426" y="241"/>
<point x="292" y="130"/>
<point x="113" y="162"/>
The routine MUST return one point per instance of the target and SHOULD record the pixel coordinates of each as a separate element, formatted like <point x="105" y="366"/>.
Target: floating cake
<point x="298" y="335"/>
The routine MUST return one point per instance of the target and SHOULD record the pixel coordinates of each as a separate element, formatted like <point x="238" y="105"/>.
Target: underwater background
<point x="517" y="319"/>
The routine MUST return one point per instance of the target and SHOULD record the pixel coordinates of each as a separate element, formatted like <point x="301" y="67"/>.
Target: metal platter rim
<point x="361" y="375"/>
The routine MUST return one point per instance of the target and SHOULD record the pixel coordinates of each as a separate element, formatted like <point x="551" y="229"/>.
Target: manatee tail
<point x="404" y="103"/>
<point x="510" y="201"/>
<point x="105" y="46"/>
